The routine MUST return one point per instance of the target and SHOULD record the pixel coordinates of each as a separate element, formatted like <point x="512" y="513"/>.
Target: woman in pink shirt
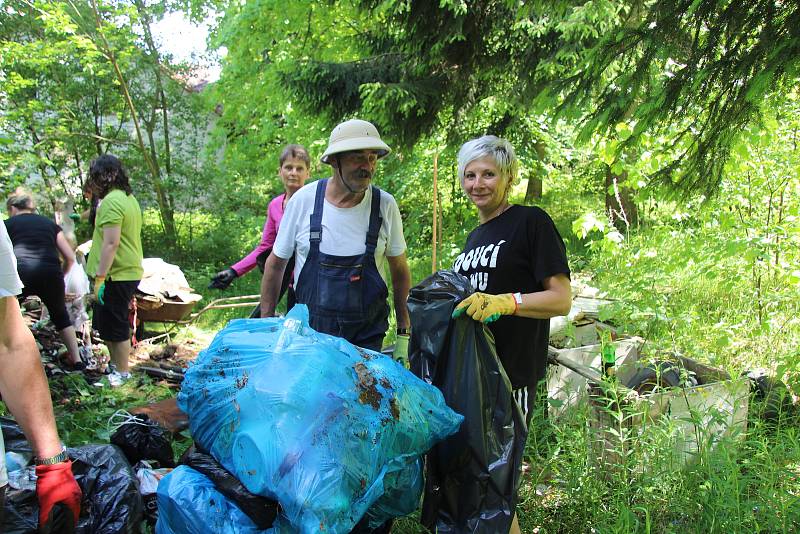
<point x="294" y="169"/>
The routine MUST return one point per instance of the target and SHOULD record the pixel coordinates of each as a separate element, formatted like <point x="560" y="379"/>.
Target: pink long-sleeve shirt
<point x="274" y="216"/>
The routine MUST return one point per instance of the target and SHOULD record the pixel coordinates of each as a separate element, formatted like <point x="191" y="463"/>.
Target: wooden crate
<point x="695" y="418"/>
<point x="568" y="389"/>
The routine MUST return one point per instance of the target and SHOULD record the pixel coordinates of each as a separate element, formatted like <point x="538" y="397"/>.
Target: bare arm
<point x="22" y="382"/>
<point x="401" y="283"/>
<point x="66" y="251"/>
<point x="271" y="284"/>
<point x="555" y="300"/>
<point x="111" y="235"/>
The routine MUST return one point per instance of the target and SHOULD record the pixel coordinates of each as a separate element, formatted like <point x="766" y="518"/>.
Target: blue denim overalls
<point x="345" y="295"/>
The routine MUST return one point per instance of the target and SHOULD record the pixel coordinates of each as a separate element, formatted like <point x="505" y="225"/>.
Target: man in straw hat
<point x="344" y="232"/>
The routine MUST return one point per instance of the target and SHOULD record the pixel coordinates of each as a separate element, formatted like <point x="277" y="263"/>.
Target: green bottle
<point x="608" y="355"/>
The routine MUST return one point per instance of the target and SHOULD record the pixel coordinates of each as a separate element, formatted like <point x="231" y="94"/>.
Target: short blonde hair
<point x="20" y="200"/>
<point x="495" y="147"/>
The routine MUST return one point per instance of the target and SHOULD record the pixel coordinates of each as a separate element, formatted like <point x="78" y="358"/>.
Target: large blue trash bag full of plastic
<point x="188" y="503"/>
<point x="328" y="429"/>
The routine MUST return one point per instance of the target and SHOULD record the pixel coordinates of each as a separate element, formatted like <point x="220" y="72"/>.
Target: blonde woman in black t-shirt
<point x="516" y="261"/>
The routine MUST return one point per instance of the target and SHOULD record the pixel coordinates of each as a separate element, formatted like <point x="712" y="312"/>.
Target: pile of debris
<point x="118" y="479"/>
<point x="52" y="349"/>
<point x="167" y="362"/>
<point x="702" y="404"/>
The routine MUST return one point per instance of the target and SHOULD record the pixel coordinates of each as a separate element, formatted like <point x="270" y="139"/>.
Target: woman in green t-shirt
<point x="115" y="259"/>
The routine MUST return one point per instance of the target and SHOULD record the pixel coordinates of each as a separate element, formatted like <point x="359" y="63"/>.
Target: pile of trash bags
<point x="118" y="480"/>
<point x="111" y="502"/>
<point x="329" y="431"/>
<point x="148" y="448"/>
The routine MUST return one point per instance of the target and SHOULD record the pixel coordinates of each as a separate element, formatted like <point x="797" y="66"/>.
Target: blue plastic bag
<point x="188" y="503"/>
<point x="326" y="428"/>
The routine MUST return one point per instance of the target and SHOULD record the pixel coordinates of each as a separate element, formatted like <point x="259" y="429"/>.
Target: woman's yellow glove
<point x="486" y="308"/>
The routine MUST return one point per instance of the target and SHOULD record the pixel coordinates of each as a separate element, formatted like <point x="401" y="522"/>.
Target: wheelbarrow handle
<point x="553" y="357"/>
<point x="225" y="302"/>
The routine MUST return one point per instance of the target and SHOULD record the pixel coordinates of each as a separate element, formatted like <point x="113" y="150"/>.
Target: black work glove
<point x="222" y="279"/>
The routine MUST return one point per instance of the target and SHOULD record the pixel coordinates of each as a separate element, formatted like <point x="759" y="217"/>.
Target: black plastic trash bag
<point x="261" y="510"/>
<point x="111" y="502"/>
<point x="13" y="437"/>
<point x="472" y="477"/>
<point x="143" y="439"/>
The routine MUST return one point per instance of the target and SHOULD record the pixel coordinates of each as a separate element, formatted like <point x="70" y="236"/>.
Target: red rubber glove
<point x="55" y="484"/>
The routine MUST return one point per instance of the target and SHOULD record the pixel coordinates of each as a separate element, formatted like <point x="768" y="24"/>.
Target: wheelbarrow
<point x="153" y="310"/>
<point x="180" y="313"/>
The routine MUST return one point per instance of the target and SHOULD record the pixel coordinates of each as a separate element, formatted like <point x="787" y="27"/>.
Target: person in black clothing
<point x="38" y="241"/>
<point x="516" y="261"/>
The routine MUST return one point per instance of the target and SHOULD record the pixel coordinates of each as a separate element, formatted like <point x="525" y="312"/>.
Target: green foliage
<point x="739" y="487"/>
<point x="54" y="88"/>
<point x="706" y="66"/>
<point x="717" y="277"/>
<point x="257" y="117"/>
<point x="63" y="72"/>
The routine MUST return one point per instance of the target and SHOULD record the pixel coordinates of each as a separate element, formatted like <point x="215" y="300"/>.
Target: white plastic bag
<point x="76" y="288"/>
<point x="76" y="281"/>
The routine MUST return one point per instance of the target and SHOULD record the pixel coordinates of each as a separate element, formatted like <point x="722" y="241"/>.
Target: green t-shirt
<point x="119" y="209"/>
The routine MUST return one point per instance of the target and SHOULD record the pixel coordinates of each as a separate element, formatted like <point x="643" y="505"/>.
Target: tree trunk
<point x="162" y="198"/>
<point x="41" y="157"/>
<point x="161" y="97"/>
<point x="161" y="100"/>
<point x="619" y="201"/>
<point x="534" y="190"/>
<point x="98" y="126"/>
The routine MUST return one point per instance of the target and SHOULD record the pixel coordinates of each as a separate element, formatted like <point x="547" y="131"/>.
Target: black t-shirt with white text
<point x="515" y="252"/>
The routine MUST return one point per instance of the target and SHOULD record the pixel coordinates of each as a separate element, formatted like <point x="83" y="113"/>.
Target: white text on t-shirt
<point x="485" y="256"/>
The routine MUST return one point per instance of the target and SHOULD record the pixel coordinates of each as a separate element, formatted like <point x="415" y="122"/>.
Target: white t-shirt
<point x="10" y="285"/>
<point x="344" y="230"/>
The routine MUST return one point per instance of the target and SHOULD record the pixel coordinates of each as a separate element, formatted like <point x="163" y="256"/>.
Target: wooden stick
<point x="435" y="210"/>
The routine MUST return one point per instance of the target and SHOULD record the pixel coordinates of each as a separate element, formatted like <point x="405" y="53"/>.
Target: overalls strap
<point x="315" y="226"/>
<point x="375" y="222"/>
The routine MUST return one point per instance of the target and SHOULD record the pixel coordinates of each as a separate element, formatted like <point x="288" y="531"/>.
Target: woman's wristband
<point x="517" y="301"/>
